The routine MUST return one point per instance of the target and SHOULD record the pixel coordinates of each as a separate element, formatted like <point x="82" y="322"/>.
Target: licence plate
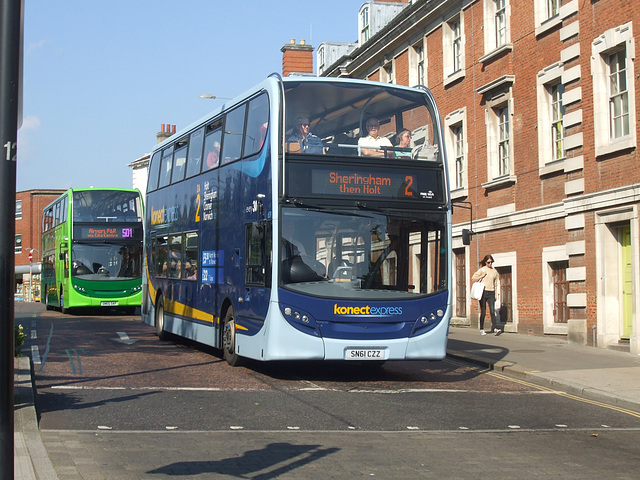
<point x="364" y="354"/>
<point x="108" y="304"/>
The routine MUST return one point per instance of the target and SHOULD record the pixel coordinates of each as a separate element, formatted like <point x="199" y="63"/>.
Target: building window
<point x="18" y="209"/>
<point x="551" y="112"/>
<point x="501" y="22"/>
<point x="456" y="143"/>
<point x="453" y="48"/>
<point x="321" y="59"/>
<point x="456" y="31"/>
<point x="504" y="155"/>
<point x="421" y="76"/>
<point x="553" y="8"/>
<point x="458" y="135"/>
<point x="618" y="95"/>
<point x="546" y="15"/>
<point x="496" y="26"/>
<point x="614" y="102"/>
<point x="557" y="126"/>
<point x="498" y="99"/>
<point x="417" y="67"/>
<point x="560" y="291"/>
<point x="364" y="24"/>
<point x="18" y="246"/>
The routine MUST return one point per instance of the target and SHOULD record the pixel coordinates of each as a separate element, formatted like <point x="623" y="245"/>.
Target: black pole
<point x="10" y="41"/>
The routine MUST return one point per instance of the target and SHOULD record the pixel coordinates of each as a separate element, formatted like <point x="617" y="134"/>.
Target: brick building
<point x="29" y="207"/>
<point x="538" y="103"/>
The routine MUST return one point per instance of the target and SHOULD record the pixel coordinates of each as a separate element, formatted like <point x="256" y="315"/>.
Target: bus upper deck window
<point x="165" y="167"/>
<point x="154" y="168"/>
<point x="233" y="134"/>
<point x="195" y="152"/>
<point x="257" y="125"/>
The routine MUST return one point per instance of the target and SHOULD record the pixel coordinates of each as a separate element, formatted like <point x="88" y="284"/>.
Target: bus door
<point x="257" y="270"/>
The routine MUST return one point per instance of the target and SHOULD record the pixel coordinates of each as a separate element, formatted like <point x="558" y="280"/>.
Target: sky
<point x="102" y="76"/>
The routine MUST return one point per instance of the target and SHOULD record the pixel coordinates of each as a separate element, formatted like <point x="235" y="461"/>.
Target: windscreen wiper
<point x="364" y="206"/>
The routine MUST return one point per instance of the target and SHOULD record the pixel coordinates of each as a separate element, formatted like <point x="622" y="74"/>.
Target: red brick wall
<point x="530" y="55"/>
<point x="30" y="225"/>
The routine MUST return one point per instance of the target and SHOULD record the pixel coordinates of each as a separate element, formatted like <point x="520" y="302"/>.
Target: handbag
<point x="477" y="290"/>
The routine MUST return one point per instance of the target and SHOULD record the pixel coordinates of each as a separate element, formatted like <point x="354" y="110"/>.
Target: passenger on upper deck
<point x="403" y="140"/>
<point x="213" y="158"/>
<point x="370" y="145"/>
<point x="308" y="142"/>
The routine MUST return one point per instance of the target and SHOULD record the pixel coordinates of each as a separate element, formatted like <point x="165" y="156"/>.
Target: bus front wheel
<point x="229" y="339"/>
<point x="162" y="335"/>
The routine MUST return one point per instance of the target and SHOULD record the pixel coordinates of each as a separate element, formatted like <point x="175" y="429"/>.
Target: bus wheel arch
<point x="159" y="317"/>
<point x="228" y="341"/>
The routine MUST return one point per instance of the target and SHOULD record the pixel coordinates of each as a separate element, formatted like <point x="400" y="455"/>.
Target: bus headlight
<point x="300" y="319"/>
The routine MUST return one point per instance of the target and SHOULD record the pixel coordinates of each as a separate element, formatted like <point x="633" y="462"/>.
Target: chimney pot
<point x="297" y="59"/>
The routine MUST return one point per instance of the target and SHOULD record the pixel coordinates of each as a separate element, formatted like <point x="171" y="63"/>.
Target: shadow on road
<point x="279" y="458"/>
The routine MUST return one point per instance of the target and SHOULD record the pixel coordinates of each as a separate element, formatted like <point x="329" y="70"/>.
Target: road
<point x="129" y="404"/>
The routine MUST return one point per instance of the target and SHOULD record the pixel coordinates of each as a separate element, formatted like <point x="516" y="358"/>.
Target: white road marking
<point x="35" y="355"/>
<point x="124" y="338"/>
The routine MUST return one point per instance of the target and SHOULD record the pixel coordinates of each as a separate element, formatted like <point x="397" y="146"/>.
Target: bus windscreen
<point x="107" y="206"/>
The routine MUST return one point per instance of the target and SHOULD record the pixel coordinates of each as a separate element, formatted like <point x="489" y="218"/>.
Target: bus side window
<point x="191" y="256"/>
<point x="212" y="149"/>
<point x="154" y="168"/>
<point x="233" y="134"/>
<point x="175" y="256"/>
<point x="257" y="124"/>
<point x="195" y="152"/>
<point x="160" y="254"/>
<point x="179" y="163"/>
<point x="165" y="167"/>
<point x="63" y="213"/>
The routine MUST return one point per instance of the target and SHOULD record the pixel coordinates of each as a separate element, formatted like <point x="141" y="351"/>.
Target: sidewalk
<point x="598" y="374"/>
<point x="603" y="375"/>
<point x="30" y="459"/>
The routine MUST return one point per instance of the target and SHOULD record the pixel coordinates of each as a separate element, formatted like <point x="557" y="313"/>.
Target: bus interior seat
<point x="339" y="269"/>
<point x="341" y="145"/>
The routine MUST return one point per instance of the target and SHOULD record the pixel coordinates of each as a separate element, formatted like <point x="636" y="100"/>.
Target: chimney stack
<point x="165" y="132"/>
<point x="297" y="58"/>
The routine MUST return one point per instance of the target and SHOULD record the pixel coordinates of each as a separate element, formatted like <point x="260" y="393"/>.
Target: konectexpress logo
<point x="366" y="311"/>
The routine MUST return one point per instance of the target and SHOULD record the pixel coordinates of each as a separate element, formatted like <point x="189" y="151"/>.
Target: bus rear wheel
<point x="162" y="335"/>
<point x="229" y="339"/>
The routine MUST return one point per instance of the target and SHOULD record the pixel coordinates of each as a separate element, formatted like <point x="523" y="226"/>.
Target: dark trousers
<point x="488" y="298"/>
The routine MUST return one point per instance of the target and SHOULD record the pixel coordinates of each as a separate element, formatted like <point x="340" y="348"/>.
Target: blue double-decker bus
<point x="294" y="223"/>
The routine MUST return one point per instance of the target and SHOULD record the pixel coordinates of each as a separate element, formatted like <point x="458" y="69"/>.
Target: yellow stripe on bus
<point x="178" y="308"/>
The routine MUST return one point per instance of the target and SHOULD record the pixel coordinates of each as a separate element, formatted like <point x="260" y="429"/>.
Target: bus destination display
<point x="103" y="232"/>
<point x="379" y="183"/>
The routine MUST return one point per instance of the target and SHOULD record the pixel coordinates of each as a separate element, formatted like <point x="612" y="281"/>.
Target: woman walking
<point x="489" y="278"/>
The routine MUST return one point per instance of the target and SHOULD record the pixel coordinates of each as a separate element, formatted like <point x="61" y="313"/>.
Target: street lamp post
<point x="208" y="96"/>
